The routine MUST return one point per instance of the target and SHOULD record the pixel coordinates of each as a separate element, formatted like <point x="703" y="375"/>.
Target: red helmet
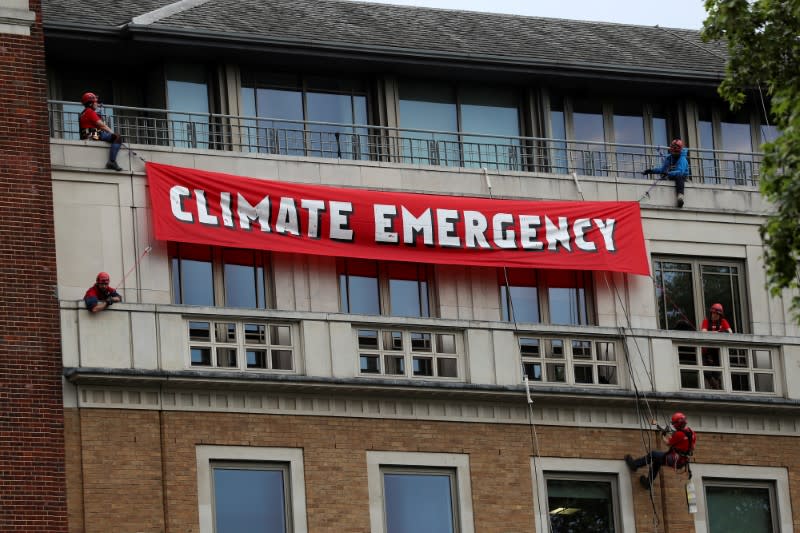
<point x="88" y="99"/>
<point x="678" y="420"/>
<point x="103" y="277"/>
<point x="717" y="307"/>
<point x="676" y="146"/>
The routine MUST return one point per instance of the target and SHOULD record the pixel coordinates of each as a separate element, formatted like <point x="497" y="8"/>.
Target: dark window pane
<point x="395" y="365"/>
<point x="242" y="286"/>
<point x="256" y="358"/>
<point x="567" y="297"/>
<point x="447" y="367"/>
<point x="764" y="382"/>
<point x="368" y="339"/>
<point x="281" y="359"/>
<point x="529" y="346"/>
<point x="370" y="364"/>
<point x="583" y="374"/>
<point x="423" y="366"/>
<point x="713" y="380"/>
<point x="225" y="332"/>
<point x="690" y="379"/>
<point x="200" y="331"/>
<point x="421" y="342"/>
<point x="249" y="501"/>
<point x="674" y="292"/>
<point x="418" y="503"/>
<point x="533" y="371"/>
<point x="201" y="356"/>
<point x="687" y="355"/>
<point x="607" y="375"/>
<point x="226" y="357"/>
<point x="581" y="349"/>
<point x="577" y="505"/>
<point x="556" y="372"/>
<point x="740" y="382"/>
<point x="733" y="509"/>
<point x="255" y="334"/>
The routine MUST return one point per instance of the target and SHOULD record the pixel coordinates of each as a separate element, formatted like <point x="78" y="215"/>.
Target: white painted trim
<point x="777" y="475"/>
<point x="541" y="465"/>
<point x="460" y="462"/>
<point x="166" y="11"/>
<point x="294" y="456"/>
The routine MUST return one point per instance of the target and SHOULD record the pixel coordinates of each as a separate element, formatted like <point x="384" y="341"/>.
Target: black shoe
<point x="630" y="462"/>
<point x="680" y="200"/>
<point x="645" y="482"/>
<point x="112" y="165"/>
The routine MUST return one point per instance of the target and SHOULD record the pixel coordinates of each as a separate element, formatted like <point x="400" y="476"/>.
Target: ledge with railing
<point x="159" y="127"/>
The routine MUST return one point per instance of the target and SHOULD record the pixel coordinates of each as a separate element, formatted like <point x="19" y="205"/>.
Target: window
<point x="742" y="498"/>
<point x="251" y="498"/>
<point x="187" y="101"/>
<point x="590" y="124"/>
<point x="250" y="489"/>
<point x="550" y="297"/>
<point x="411" y="492"/>
<point x="575" y="361"/>
<point x="727" y="368"/>
<point x="736" y="506"/>
<point x="488" y="118"/>
<point x="285" y="103"/>
<point x="686" y="289"/>
<point x="409" y="353"/>
<point x="384" y="288"/>
<point x="242" y="345"/>
<point x="582" y="495"/>
<point x="204" y="275"/>
<point x="581" y="502"/>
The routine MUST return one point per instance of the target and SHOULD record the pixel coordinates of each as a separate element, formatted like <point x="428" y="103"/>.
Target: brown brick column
<point x="31" y="413"/>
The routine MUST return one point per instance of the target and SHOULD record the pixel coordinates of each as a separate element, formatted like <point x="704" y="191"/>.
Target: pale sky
<point x="667" y="13"/>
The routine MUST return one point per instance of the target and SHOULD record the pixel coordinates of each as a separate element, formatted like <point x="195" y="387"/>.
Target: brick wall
<point x="32" y="483"/>
<point x="137" y="456"/>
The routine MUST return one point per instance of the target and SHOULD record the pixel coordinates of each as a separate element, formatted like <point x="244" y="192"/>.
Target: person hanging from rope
<point x="100" y="296"/>
<point x="93" y="127"/>
<point x="716" y="321"/>
<point x="674" y="167"/>
<point x="681" y="441"/>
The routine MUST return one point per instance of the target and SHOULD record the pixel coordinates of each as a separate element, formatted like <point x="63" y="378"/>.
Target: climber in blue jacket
<point x="674" y="167"/>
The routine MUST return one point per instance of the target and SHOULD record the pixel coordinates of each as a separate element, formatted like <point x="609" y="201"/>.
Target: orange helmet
<point x="88" y="99"/>
<point x="676" y="146"/>
<point x="678" y="420"/>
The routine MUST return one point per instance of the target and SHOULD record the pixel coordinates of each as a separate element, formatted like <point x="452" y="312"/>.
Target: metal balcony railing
<point x="160" y="127"/>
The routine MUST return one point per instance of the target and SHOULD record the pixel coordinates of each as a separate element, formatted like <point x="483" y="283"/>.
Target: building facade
<point x="260" y="388"/>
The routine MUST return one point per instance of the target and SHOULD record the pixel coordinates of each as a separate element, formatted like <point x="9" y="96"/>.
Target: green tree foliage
<point x="763" y="38"/>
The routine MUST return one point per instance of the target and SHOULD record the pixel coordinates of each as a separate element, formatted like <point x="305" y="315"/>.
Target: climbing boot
<point x="680" y="200"/>
<point x="630" y="462"/>
<point x="645" y="482"/>
<point x="112" y="165"/>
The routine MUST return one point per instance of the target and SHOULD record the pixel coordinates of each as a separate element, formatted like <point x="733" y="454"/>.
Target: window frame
<point x="208" y="455"/>
<point x="569" y="360"/>
<point x="742" y="476"/>
<point x="381" y="352"/>
<point x="261" y="259"/>
<point x="268" y="466"/>
<point x="726" y="370"/>
<point x="701" y="307"/>
<point x="384" y="291"/>
<point x="590" y="469"/>
<point x="419" y="461"/>
<point x="241" y="345"/>
<point x="504" y="282"/>
<point x="612" y="480"/>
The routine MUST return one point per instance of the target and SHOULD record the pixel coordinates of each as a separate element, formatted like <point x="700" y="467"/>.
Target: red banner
<point x="224" y="210"/>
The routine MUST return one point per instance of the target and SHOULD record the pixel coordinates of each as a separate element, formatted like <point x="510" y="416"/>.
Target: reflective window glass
<point x="490" y="111"/>
<point x="416" y="502"/>
<point x="243" y="279"/>
<point x="429" y="106"/>
<point x="358" y="287"/>
<point x="192" y="274"/>
<point x="187" y="101"/>
<point x="559" y="163"/>
<point x="581" y="505"/>
<point x="743" y="508"/>
<point x="250" y="500"/>
<point x="675" y="293"/>
<point x="566" y="294"/>
<point x="587" y="118"/>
